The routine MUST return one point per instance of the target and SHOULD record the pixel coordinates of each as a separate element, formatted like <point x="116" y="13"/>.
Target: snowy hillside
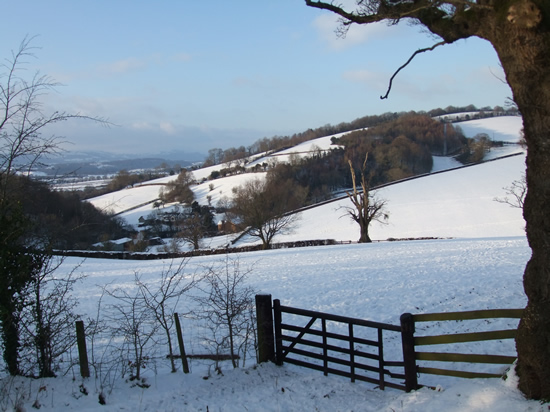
<point x="480" y="268"/>
<point x="503" y="128"/>
<point x="458" y="203"/>
<point x="327" y="221"/>
<point x="304" y="149"/>
<point x="130" y="198"/>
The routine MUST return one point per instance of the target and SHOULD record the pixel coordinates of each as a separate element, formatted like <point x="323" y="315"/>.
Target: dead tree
<point x="366" y="206"/>
<point x="228" y="309"/>
<point x="162" y="299"/>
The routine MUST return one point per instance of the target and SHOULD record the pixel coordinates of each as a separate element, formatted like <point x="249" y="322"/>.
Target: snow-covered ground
<point x="479" y="267"/>
<point x="376" y="281"/>
<point x="499" y="128"/>
<point x="305" y="149"/>
<point x="441" y="163"/>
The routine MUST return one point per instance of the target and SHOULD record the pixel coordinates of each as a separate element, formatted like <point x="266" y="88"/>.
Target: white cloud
<point x="123" y="66"/>
<point x="181" y="57"/>
<point x="371" y="79"/>
<point x="326" y="25"/>
<point x="167" y="127"/>
<point x="141" y="126"/>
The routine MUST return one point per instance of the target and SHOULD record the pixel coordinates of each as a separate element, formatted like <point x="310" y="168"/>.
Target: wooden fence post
<point x="82" y="352"/>
<point x="409" y="358"/>
<point x="264" y="319"/>
<point x="183" y="355"/>
<point x="277" y="320"/>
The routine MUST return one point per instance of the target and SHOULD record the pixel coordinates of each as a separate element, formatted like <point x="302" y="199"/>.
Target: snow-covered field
<point x="503" y="128"/>
<point x="479" y="265"/>
<point x="378" y="281"/>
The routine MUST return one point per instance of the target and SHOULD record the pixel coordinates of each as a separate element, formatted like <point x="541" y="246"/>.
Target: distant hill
<point x="102" y="163"/>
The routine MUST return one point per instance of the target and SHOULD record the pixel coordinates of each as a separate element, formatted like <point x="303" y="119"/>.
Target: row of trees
<point x="511" y="109"/>
<point x="276" y="143"/>
<point x="271" y="144"/>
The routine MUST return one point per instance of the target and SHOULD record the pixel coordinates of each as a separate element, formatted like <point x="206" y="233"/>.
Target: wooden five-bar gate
<point x="354" y="348"/>
<point x="353" y="354"/>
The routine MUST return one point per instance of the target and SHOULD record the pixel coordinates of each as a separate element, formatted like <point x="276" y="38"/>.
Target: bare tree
<point x="22" y="118"/>
<point x="263" y="208"/>
<point x="519" y="31"/>
<point x="227" y="307"/>
<point x="162" y="298"/>
<point x="515" y="193"/>
<point x="48" y="317"/>
<point x="192" y="230"/>
<point x="196" y="225"/>
<point x="131" y="320"/>
<point x="366" y="206"/>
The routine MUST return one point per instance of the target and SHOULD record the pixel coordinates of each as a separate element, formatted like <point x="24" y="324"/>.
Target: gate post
<point x="409" y="358"/>
<point x="183" y="355"/>
<point x="278" y="332"/>
<point x="264" y="319"/>
<point x="82" y="352"/>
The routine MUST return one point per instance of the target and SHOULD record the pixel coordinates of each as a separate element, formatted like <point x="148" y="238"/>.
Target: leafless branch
<point x="441" y="43"/>
<point x="515" y="193"/>
<point x="22" y="119"/>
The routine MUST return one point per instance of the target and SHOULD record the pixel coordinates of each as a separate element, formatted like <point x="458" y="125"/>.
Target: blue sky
<point x="193" y="75"/>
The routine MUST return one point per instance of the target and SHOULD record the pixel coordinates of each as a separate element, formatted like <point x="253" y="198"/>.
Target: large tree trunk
<point x="533" y="340"/>
<point x="525" y="57"/>
<point x="364" y="227"/>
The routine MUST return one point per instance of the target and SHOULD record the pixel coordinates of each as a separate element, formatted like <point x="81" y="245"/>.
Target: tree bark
<point x="533" y="340"/>
<point x="525" y="57"/>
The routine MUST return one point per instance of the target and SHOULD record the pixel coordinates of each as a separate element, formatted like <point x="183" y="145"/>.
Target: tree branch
<point x="352" y="17"/>
<point x="441" y="43"/>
